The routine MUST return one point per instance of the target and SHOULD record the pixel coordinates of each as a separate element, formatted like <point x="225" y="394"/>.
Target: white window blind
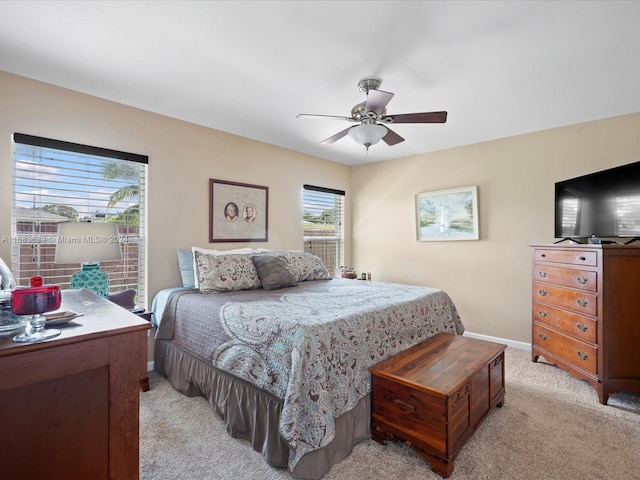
<point x="323" y="214"/>
<point x="570" y="216"/>
<point x="626" y="215"/>
<point x="55" y="182"/>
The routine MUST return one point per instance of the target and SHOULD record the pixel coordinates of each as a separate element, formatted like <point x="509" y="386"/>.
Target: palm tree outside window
<point x="57" y="181"/>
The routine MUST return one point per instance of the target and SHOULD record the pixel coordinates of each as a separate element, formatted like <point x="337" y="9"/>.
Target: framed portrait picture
<point x="447" y="214"/>
<point x="238" y="212"/>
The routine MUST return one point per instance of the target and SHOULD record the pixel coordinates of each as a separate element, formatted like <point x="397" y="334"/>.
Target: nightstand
<point x="144" y="381"/>
<point x="145" y="315"/>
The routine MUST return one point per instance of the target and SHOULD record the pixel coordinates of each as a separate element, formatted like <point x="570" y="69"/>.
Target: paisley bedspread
<point x="309" y="345"/>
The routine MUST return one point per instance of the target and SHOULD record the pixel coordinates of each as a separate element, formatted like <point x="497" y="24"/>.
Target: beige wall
<point x="490" y="279"/>
<point x="182" y="159"/>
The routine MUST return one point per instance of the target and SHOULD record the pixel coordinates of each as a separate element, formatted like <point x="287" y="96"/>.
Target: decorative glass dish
<point x="10" y="322"/>
<point x="59" y="318"/>
<point x="33" y="301"/>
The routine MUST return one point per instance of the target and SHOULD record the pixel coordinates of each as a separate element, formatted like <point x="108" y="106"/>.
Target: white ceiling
<point x="500" y="68"/>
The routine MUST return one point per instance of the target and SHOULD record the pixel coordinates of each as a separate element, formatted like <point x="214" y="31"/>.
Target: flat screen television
<point x="604" y="204"/>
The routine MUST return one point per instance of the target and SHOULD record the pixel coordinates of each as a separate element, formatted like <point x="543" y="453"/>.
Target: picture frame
<point x="446" y="215"/>
<point x="238" y="212"/>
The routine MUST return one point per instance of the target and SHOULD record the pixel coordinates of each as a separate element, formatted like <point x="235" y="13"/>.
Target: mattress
<point x="305" y="349"/>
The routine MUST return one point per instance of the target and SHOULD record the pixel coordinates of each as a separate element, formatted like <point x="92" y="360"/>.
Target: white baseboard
<point x="149" y="366"/>
<point x="509" y="343"/>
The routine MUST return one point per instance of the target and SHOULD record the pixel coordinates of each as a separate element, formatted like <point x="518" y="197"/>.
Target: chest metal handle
<point x="404" y="406"/>
<point x="542" y="336"/>
<point x="542" y="313"/>
<point x="542" y="274"/>
<point x="582" y="327"/>
<point x="543" y="293"/>
<point x="582" y="302"/>
<point x="583" y="356"/>
<point x="582" y="280"/>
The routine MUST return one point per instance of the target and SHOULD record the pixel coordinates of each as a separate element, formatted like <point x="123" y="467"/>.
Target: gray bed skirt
<point x="253" y="415"/>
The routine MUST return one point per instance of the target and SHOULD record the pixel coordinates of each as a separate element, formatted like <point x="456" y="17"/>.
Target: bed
<point x="285" y="363"/>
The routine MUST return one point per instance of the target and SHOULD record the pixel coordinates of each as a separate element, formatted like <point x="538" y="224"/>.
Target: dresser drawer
<point x="585" y="303"/>
<point x="572" y="351"/>
<point x="577" y="326"/>
<point x="579" y="257"/>
<point x="568" y="277"/>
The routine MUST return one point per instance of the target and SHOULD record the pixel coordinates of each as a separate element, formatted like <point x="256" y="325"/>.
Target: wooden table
<point x="69" y="406"/>
<point x="435" y="394"/>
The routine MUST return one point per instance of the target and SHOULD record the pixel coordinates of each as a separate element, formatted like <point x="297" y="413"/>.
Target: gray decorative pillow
<point x="302" y="265"/>
<point x="273" y="272"/>
<point x="225" y="273"/>
<point x="126" y="298"/>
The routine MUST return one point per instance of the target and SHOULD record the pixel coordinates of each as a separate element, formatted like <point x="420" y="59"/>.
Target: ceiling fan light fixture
<point x="371" y="118"/>
<point x="367" y="134"/>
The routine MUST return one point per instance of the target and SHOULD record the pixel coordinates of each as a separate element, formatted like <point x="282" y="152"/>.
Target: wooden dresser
<point x="435" y="394"/>
<point x="586" y="313"/>
<point x="69" y="406"/>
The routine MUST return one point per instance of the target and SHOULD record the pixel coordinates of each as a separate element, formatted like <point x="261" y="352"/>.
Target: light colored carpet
<point x="551" y="427"/>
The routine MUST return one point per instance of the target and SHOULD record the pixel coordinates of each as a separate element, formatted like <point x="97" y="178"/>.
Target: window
<point x="322" y="224"/>
<point x="55" y="182"/>
<point x="570" y="216"/>
<point x="626" y="219"/>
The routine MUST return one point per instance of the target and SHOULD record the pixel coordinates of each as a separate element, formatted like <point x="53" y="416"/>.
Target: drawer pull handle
<point x="542" y="274"/>
<point x="582" y="302"/>
<point x="582" y="259"/>
<point x="404" y="406"/>
<point x="542" y="313"/>
<point x="542" y="336"/>
<point x="583" y="356"/>
<point x="543" y="255"/>
<point x="543" y="293"/>
<point x="582" y="327"/>
<point x="582" y="280"/>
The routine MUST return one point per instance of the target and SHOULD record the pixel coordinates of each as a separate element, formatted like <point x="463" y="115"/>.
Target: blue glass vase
<point x="92" y="278"/>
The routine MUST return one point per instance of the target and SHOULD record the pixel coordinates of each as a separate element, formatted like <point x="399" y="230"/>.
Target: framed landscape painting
<point x="238" y="212"/>
<point x="447" y="215"/>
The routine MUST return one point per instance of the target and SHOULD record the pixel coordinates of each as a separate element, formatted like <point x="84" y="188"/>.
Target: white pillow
<point x="263" y="250"/>
<point x="206" y="251"/>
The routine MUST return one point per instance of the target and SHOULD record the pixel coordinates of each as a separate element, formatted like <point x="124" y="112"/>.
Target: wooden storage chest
<point x="435" y="394"/>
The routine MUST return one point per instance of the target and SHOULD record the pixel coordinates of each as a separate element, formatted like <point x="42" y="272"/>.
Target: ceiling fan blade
<point x="337" y="136"/>
<point x="334" y="117"/>
<point x="424" y="117"/>
<point x="391" y="138"/>
<point x="377" y="100"/>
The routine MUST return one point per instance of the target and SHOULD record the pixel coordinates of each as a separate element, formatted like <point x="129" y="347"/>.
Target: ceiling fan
<point x="372" y="119"/>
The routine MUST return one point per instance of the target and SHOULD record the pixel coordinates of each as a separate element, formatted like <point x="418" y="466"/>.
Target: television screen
<point x="604" y="204"/>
